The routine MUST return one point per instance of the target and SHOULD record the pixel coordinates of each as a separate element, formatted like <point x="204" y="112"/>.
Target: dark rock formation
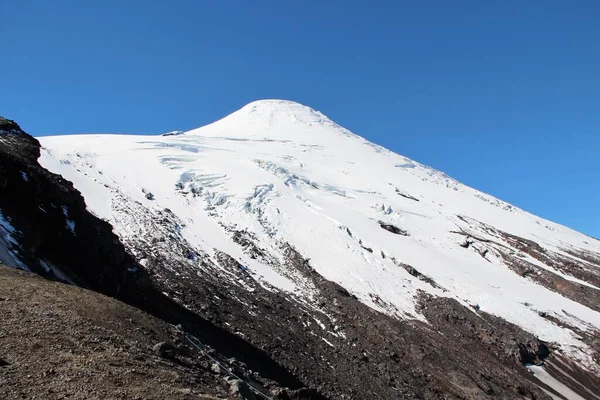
<point x="393" y="228"/>
<point x="58" y="237"/>
<point x="533" y="353"/>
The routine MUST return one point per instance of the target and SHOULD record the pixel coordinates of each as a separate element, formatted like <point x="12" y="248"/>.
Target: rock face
<point x="57" y="237"/>
<point x="329" y="345"/>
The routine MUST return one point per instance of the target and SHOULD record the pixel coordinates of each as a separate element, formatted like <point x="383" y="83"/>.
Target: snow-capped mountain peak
<point x="276" y="178"/>
<point x="274" y="120"/>
<point x="270" y="110"/>
<point x="273" y="112"/>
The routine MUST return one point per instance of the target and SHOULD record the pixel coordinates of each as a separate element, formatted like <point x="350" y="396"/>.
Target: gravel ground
<point x="62" y="342"/>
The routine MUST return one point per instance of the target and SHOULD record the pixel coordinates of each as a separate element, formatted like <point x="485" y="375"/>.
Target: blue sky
<point x="502" y="95"/>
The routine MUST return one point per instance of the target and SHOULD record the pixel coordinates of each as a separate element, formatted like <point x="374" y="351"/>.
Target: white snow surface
<point x="8" y="245"/>
<point x="540" y="373"/>
<point x="287" y="173"/>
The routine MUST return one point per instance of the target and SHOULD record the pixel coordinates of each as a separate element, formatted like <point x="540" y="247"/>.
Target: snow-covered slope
<point x="384" y="227"/>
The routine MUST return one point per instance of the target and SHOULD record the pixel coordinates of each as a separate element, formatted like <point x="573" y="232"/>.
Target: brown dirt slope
<point x="59" y="341"/>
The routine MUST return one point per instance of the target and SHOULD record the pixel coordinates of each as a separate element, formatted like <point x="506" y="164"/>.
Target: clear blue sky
<point x="502" y="95"/>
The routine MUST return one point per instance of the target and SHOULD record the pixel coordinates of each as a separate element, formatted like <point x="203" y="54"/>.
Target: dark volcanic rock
<point x="165" y="349"/>
<point x="393" y="229"/>
<point x="533" y="353"/>
<point x="9" y="126"/>
<point x="21" y="144"/>
<point x="59" y="238"/>
<point x="240" y="389"/>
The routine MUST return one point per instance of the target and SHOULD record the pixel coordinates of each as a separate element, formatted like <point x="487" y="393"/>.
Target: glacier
<point x="286" y="174"/>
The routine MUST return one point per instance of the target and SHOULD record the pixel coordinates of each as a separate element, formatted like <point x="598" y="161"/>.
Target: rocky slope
<point x="58" y="341"/>
<point x="358" y="313"/>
